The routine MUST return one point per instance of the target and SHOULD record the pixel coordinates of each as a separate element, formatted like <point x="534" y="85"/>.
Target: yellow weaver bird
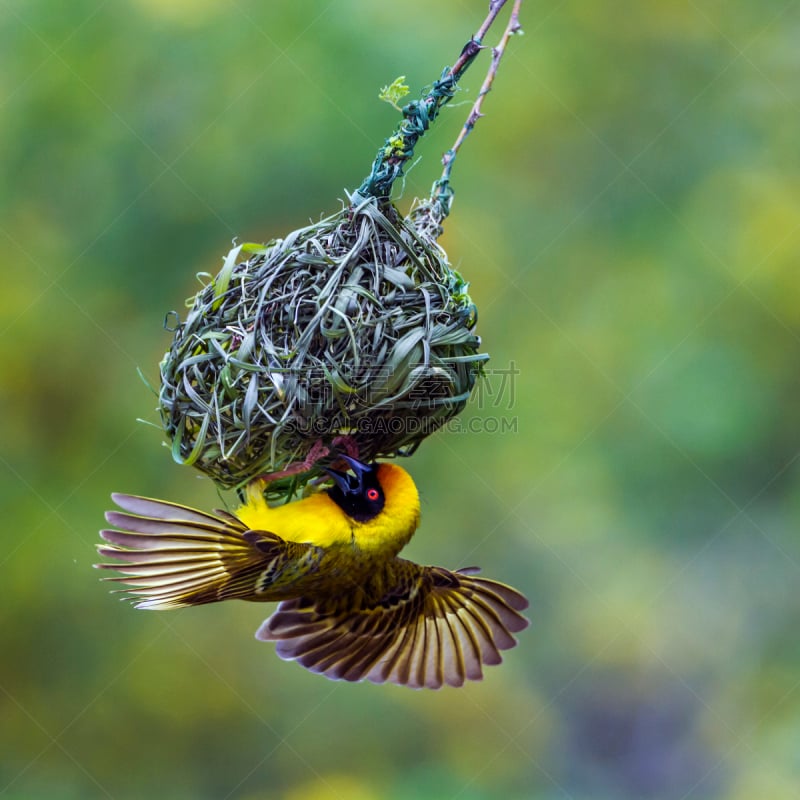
<point x="350" y="609"/>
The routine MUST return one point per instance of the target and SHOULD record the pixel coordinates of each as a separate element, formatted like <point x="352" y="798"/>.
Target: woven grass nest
<point x="353" y="327"/>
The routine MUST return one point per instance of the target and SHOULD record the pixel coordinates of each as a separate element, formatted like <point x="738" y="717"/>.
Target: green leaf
<point x="395" y="91"/>
<point x="224" y="278"/>
<point x="254" y="247"/>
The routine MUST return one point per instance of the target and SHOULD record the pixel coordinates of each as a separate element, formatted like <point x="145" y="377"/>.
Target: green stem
<point x="419" y="114"/>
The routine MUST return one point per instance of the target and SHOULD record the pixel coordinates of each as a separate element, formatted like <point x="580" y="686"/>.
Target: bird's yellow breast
<point x="318" y="520"/>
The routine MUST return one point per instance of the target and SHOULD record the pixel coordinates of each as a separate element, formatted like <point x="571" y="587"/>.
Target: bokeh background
<point x="628" y="214"/>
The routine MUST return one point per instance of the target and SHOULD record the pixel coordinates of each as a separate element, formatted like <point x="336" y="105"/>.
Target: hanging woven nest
<point x="353" y="327"/>
<point x="353" y="334"/>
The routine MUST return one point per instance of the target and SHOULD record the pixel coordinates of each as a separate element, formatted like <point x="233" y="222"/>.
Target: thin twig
<point x="442" y="193"/>
<point x="494" y="9"/>
<point x="419" y="114"/>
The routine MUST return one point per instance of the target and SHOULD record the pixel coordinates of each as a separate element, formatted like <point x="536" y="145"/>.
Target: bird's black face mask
<point x="358" y="494"/>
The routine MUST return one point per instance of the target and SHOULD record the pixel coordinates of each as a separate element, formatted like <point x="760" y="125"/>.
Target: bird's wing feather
<point x="412" y="625"/>
<point x="175" y="556"/>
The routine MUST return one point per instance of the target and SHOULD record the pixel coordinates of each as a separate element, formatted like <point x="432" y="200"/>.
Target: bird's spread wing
<point x="175" y="556"/>
<point x="415" y="626"/>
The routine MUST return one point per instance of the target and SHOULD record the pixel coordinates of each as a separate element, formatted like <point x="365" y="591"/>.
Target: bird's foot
<point x="318" y="450"/>
<point x="346" y="444"/>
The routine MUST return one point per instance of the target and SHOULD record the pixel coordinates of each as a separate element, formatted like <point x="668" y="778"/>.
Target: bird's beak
<point x="359" y="467"/>
<point x="343" y="480"/>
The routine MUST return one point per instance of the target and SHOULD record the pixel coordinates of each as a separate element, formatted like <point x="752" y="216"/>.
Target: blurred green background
<point x="628" y="214"/>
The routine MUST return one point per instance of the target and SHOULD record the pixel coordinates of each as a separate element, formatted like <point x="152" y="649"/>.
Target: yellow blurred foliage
<point x="330" y="787"/>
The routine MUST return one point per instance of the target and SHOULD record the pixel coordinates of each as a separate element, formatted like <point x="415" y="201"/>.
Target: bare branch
<point x="442" y="194"/>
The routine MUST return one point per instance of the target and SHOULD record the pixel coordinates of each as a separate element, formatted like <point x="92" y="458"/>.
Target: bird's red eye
<point x="372" y="494"/>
